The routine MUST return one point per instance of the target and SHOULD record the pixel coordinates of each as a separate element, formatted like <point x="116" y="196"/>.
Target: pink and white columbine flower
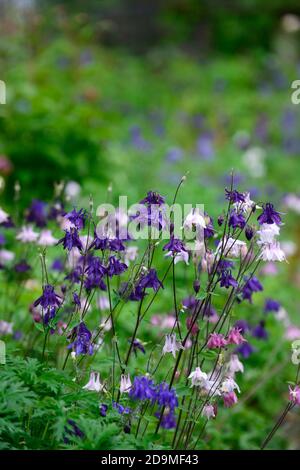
<point x="46" y="238"/>
<point x="216" y="340"/>
<point x="3" y="216"/>
<point x="198" y="378"/>
<point x="181" y="256"/>
<point x="235" y="337"/>
<point x="94" y="384"/>
<point x="267" y="233"/>
<point x="126" y="384"/>
<point x="272" y="252"/>
<point x="194" y="220"/>
<point x="209" y="411"/>
<point x="233" y="248"/>
<point x="172" y="345"/>
<point x="229" y="399"/>
<point x="229" y="385"/>
<point x="294" y="394"/>
<point x="247" y="205"/>
<point x="234" y="365"/>
<point x="27" y="235"/>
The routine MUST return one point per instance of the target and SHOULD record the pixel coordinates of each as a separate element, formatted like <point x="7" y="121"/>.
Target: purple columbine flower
<point x="271" y="306"/>
<point x="209" y="229"/>
<point x="77" y="218"/>
<point x="242" y="325"/>
<point x="71" y="240"/>
<point x="49" y="298"/>
<point x="227" y="280"/>
<point x="174" y="246"/>
<point x="259" y="331"/>
<point x="37" y="213"/>
<point x="99" y="243"/>
<point x="150" y="280"/>
<point x="83" y="342"/>
<point x="122" y="410"/>
<point x="234" y="196"/>
<point x="245" y="350"/>
<point x="116" y="245"/>
<point x="220" y="220"/>
<point x="75" y="275"/>
<point x="224" y="264"/>
<point x="142" y="389"/>
<point x="22" y="266"/>
<point x="249" y="232"/>
<point x="76" y="299"/>
<point x="153" y="198"/>
<point x="115" y="267"/>
<point x="251" y="285"/>
<point x="168" y="420"/>
<point x="57" y="265"/>
<point x="137" y="346"/>
<point x="166" y="397"/>
<point x="237" y="220"/>
<point x="269" y="215"/>
<point x="103" y="409"/>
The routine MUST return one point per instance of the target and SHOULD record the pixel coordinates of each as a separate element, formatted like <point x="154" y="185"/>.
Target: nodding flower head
<point x="83" y="340"/>
<point x="235" y="337"/>
<point x="234" y="196"/>
<point x="237" y="220"/>
<point x="216" y="340"/>
<point x="174" y="246"/>
<point x="172" y="345"/>
<point x="269" y="215"/>
<point x="142" y="389"/>
<point x="294" y="394"/>
<point x="226" y="280"/>
<point x="77" y="218"/>
<point x="125" y="384"/>
<point x="71" y="240"/>
<point x="49" y="298"/>
<point x="230" y="399"/>
<point x="150" y="280"/>
<point x="153" y="198"/>
<point x="37" y="213"/>
<point x="94" y="384"/>
<point x="115" y="267"/>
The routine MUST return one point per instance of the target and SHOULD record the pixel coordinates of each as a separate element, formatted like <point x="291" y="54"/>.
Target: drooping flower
<point x="172" y="345"/>
<point x="76" y="299"/>
<point x="234" y="196"/>
<point x="71" y="240"/>
<point x="272" y="252"/>
<point x="115" y="267"/>
<point x="77" y="218"/>
<point x="94" y="384"/>
<point x="142" y="389"/>
<point x="165" y="396"/>
<point x="229" y="385"/>
<point x="229" y="399"/>
<point x="294" y="394"/>
<point x="27" y="235"/>
<point x="209" y="230"/>
<point x="209" y="411"/>
<point x="245" y="206"/>
<point x="137" y="346"/>
<point x="122" y="410"/>
<point x="271" y="306"/>
<point x="174" y="246"/>
<point x="197" y="377"/>
<point x="150" y="280"/>
<point x="267" y="233"/>
<point x="153" y="198"/>
<point x="103" y="409"/>
<point x="168" y="420"/>
<point x="245" y="350"/>
<point x="259" y="331"/>
<point x="249" y="232"/>
<point x="194" y="220"/>
<point x="37" y="213"/>
<point x="46" y="238"/>
<point x="236" y="220"/>
<point x="49" y="298"/>
<point x="251" y="285"/>
<point x="125" y="384"/>
<point x="22" y="266"/>
<point x="235" y="337"/>
<point x="216" y="340"/>
<point x="234" y="365"/>
<point x="83" y="340"/>
<point x="269" y="215"/>
<point x="227" y="280"/>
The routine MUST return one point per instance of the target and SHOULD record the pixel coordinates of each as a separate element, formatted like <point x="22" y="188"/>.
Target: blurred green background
<point x="138" y="93"/>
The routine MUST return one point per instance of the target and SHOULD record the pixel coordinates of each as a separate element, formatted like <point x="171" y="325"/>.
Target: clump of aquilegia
<point x="97" y="305"/>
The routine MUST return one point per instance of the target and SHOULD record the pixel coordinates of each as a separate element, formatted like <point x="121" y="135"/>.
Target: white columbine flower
<point x="229" y="385"/>
<point x="6" y="256"/>
<point x="27" y="235"/>
<point x="94" y="383"/>
<point x="3" y="216"/>
<point x="267" y="233"/>
<point x="194" y="220"/>
<point x="245" y="206"/>
<point x="198" y="378"/>
<point x="272" y="252"/>
<point x="172" y="345"/>
<point x="46" y="238"/>
<point x="126" y="384"/>
<point x="234" y="365"/>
